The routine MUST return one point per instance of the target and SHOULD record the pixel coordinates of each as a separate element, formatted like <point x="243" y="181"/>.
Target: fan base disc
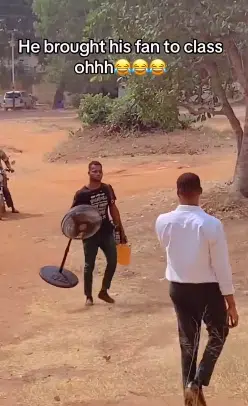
<point x="65" y="279"/>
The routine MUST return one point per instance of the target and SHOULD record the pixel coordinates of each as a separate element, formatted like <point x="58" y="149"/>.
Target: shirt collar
<point x="186" y="207"/>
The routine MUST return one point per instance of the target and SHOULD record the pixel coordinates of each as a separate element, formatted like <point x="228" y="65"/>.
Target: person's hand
<point x="123" y="238"/>
<point x="232" y="317"/>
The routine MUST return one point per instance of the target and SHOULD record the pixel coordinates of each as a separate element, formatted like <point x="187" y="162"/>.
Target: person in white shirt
<point x="201" y="285"/>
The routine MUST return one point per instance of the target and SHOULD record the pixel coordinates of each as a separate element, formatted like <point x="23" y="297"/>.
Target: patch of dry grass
<point x="220" y="202"/>
<point x="93" y="143"/>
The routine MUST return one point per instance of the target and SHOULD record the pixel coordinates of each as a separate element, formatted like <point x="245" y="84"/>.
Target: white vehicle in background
<point x="18" y="100"/>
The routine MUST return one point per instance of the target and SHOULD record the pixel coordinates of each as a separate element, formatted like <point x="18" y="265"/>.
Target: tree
<point x="58" y="21"/>
<point x="64" y="20"/>
<point x="183" y="21"/>
<point x="15" y="16"/>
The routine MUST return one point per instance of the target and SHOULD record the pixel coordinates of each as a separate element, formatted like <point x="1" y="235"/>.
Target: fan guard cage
<point x="81" y="222"/>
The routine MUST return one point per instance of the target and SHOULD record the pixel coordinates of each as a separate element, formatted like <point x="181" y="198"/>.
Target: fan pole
<point x="65" y="256"/>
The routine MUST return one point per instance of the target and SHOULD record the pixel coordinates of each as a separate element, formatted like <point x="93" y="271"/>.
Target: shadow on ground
<point x="20" y="216"/>
<point x="149" y="307"/>
<point x="140" y="400"/>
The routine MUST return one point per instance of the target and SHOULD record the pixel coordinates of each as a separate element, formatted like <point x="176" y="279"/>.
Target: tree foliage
<point x="185" y="20"/>
<point x="190" y="76"/>
<point x="147" y="104"/>
<point x="95" y="109"/>
<point x="62" y="20"/>
<point x="15" y="16"/>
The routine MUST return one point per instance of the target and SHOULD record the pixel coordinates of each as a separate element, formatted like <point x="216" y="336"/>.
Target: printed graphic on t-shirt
<point x="100" y="202"/>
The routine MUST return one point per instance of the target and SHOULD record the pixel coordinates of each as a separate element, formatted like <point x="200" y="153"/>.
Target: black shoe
<point x="89" y="301"/>
<point x="103" y="295"/>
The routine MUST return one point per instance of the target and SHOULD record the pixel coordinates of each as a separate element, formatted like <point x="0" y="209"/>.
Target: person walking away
<point x="201" y="287"/>
<point x="103" y="198"/>
<point x="6" y="192"/>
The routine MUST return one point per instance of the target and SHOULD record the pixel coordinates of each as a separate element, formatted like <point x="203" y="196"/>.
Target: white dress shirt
<point x="196" y="247"/>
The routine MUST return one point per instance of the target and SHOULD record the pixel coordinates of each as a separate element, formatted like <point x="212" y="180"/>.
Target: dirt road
<point x="52" y="350"/>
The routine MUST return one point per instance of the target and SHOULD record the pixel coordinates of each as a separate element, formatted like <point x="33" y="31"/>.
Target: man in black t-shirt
<point x="102" y="197"/>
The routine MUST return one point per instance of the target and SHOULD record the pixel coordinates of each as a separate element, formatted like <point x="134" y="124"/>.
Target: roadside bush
<point x="125" y="113"/>
<point x="95" y="109"/>
<point x="145" y="105"/>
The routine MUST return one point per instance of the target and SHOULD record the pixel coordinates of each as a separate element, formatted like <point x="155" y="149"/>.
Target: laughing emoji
<point x="140" y="67"/>
<point x="158" y="67"/>
<point x="122" y="67"/>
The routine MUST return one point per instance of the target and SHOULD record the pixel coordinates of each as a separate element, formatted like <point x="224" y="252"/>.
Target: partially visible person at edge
<point x="201" y="287"/>
<point x="6" y="192"/>
<point x="102" y="197"/>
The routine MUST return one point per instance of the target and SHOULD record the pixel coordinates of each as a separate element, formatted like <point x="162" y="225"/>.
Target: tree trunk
<point x="226" y="107"/>
<point x="240" y="181"/>
<point x="235" y="124"/>
<point x="59" y="96"/>
<point x="239" y="63"/>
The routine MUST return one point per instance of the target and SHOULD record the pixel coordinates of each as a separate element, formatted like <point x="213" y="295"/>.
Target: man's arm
<point x="222" y="268"/>
<point x="115" y="214"/>
<point x="75" y="200"/>
<point x="220" y="261"/>
<point x="161" y="228"/>
<point x="5" y="159"/>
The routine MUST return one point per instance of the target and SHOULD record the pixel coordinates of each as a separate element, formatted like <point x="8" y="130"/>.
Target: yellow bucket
<point x="123" y="254"/>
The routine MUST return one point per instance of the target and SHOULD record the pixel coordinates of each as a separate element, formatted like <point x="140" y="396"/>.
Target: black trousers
<point x="8" y="197"/>
<point x="107" y="244"/>
<point x="6" y="193"/>
<point x="193" y="304"/>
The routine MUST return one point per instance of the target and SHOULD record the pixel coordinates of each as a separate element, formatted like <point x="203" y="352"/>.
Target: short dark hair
<point x="188" y="183"/>
<point x="94" y="163"/>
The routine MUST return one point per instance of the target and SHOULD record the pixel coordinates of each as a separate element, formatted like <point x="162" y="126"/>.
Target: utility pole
<point x="12" y="45"/>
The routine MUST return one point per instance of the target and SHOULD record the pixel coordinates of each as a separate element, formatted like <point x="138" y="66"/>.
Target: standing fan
<point x="79" y="223"/>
